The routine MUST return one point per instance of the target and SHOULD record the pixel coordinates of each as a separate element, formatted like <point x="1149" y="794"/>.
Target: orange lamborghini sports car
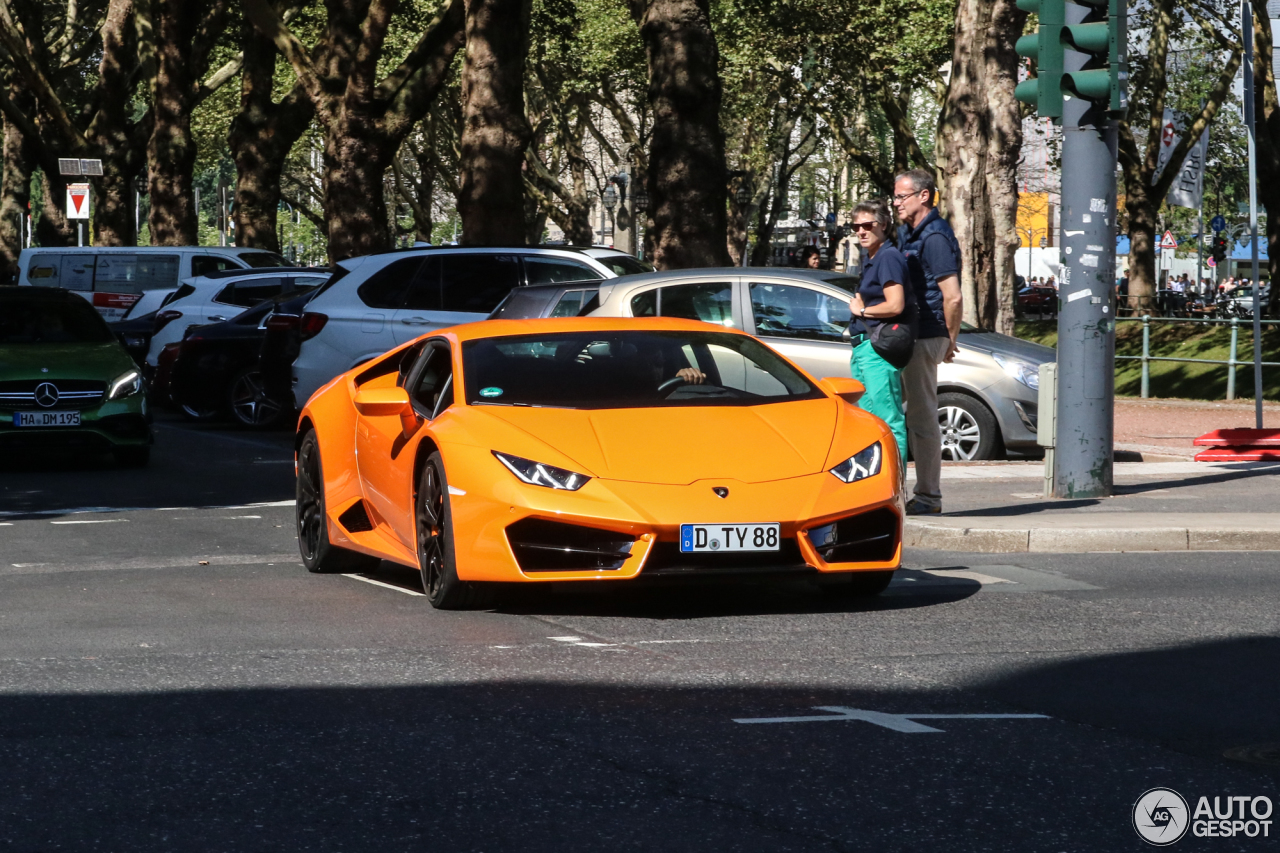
<point x="584" y="449"/>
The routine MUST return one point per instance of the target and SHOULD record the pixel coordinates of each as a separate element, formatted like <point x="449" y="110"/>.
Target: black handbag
<point x="894" y="342"/>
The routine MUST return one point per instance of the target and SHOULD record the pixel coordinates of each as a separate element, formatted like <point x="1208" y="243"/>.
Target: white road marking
<point x="385" y="585"/>
<point x="234" y="517"/>
<point x="566" y="639"/>
<point x="82" y="510"/>
<point x="92" y="521"/>
<point x="6" y="524"/>
<point x="893" y="722"/>
<point x="27" y="565"/>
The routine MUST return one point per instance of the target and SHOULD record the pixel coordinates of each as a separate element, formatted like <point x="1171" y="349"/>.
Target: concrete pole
<point x="1083" y="461"/>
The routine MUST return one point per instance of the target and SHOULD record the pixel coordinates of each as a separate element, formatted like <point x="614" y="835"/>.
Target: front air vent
<point x="553" y="546"/>
<point x="356" y="519"/>
<point x="871" y="537"/>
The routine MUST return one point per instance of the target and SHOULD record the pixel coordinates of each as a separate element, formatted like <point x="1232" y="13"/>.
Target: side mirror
<point x="851" y="390"/>
<point x="382" y="402"/>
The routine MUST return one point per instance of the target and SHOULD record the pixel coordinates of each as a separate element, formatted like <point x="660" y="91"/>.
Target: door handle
<point x="217" y="318"/>
<point x="416" y="321"/>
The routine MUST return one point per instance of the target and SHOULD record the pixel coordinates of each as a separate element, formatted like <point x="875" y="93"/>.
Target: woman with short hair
<point x="883" y="299"/>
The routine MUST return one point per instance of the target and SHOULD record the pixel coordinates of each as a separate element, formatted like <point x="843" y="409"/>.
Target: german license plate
<point x="729" y="537"/>
<point x="46" y="419"/>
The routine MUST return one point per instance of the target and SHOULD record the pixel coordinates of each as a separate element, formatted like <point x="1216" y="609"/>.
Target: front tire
<point x="436" y="559"/>
<point x="969" y="430"/>
<point x="320" y="555"/>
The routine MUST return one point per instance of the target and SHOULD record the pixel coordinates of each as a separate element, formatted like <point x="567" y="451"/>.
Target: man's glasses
<point x="863" y="226"/>
<point x="901" y="196"/>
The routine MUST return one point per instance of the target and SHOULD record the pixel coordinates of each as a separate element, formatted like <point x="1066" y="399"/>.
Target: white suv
<point x="377" y="302"/>
<point x="222" y="295"/>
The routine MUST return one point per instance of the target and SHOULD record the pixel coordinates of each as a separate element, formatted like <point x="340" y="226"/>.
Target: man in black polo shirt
<point x="933" y="258"/>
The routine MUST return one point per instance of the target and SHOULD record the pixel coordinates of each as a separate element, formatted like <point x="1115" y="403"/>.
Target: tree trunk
<point x="262" y="134"/>
<point x="53" y="228"/>
<point x="355" y="200"/>
<point x="1143" y="210"/>
<point x="171" y="152"/>
<point x="1267" y="116"/>
<point x="15" y="197"/>
<point x="688" y="191"/>
<point x="495" y="131"/>
<point x="980" y="138"/>
<point x="112" y="135"/>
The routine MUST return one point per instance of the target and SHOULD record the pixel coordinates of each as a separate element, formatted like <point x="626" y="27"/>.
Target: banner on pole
<point x="1188" y="187"/>
<point x="77" y="201"/>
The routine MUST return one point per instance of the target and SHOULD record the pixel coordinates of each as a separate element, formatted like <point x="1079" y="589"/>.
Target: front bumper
<point x="116" y="424"/>
<point x="616" y="530"/>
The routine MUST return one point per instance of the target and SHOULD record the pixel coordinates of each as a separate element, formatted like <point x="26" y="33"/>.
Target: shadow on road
<point x="190" y="466"/>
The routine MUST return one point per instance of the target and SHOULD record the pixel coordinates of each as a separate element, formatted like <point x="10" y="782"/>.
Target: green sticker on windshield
<point x="490" y="392"/>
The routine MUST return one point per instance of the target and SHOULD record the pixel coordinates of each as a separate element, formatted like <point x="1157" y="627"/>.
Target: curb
<point x="1079" y="540"/>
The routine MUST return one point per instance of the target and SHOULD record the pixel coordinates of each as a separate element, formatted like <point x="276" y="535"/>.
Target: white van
<point x="113" y="278"/>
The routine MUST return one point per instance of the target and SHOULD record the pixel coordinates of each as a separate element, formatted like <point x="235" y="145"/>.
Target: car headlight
<point x="541" y="474"/>
<point x="861" y="465"/>
<point x="125" y="385"/>
<point x="1027" y="374"/>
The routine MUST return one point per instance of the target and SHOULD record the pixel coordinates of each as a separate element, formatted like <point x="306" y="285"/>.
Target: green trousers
<point x="883" y="398"/>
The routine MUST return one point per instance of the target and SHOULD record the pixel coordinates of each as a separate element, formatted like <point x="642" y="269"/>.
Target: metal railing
<point x="1231" y="363"/>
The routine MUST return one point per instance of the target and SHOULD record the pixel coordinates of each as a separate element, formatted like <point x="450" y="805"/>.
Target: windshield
<point x="621" y="265"/>
<point x="52" y="322"/>
<point x="628" y="369"/>
<point x="263" y="259"/>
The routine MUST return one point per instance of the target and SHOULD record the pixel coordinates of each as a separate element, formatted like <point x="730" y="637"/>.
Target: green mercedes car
<point x="66" y="383"/>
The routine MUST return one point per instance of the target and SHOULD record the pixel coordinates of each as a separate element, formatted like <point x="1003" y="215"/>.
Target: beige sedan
<point x="986" y="397"/>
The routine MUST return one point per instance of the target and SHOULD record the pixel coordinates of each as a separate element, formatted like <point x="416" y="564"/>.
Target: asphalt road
<point x="171" y="679"/>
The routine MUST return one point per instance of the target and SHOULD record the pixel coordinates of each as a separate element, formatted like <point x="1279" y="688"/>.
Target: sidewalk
<point x="1173" y="504"/>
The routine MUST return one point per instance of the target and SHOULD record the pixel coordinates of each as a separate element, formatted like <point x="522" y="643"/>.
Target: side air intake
<point x="553" y="546"/>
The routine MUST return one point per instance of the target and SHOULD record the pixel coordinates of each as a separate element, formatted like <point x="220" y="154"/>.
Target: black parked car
<point x="215" y="373"/>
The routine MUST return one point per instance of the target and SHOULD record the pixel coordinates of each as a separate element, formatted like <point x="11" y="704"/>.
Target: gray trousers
<point x="920" y="387"/>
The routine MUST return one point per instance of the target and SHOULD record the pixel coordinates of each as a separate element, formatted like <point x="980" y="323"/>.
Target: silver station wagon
<point x="986" y="396"/>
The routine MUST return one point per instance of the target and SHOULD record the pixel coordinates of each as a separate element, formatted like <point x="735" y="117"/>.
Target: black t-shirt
<point x="888" y="266"/>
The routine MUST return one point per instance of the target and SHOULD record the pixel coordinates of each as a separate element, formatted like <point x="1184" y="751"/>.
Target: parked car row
<point x="254" y="345"/>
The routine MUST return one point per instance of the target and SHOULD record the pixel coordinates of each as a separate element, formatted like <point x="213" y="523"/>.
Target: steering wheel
<point x="671" y="383"/>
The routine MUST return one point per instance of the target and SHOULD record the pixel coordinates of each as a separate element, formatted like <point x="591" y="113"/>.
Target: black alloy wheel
<point x="200" y="415"/>
<point x="318" y="553"/>
<point x="440" y="582"/>
<point x="249" y="402"/>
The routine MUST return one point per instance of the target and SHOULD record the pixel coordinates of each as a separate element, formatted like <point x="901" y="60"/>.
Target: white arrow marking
<point x="894" y="722"/>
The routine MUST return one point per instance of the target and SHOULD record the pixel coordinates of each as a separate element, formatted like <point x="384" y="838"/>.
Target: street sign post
<point x="1168" y="241"/>
<point x="78" y="207"/>
<point x="1218" y="223"/>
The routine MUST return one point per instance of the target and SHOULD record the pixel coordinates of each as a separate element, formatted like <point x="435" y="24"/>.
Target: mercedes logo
<point x="721" y="491"/>
<point x="46" y="394"/>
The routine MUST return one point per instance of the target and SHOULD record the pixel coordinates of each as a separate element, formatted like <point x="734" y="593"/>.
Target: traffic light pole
<point x="1083" y="458"/>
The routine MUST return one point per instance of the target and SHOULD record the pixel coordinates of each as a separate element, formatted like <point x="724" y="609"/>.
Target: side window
<point x="43" y="269"/>
<point x="387" y="287"/>
<point x="785" y="311"/>
<point x="548" y="271"/>
<point x="120" y="273"/>
<point x="570" y="304"/>
<point x="424" y="290"/>
<point x="205" y="264"/>
<point x="477" y="283"/>
<point x="742" y="374"/>
<point x="251" y="291"/>
<point x="710" y="303"/>
<point x="645" y="304"/>
<point x="433" y="388"/>
<point x="77" y="272"/>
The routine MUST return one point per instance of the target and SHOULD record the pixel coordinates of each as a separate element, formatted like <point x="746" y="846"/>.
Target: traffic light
<point x="1102" y="36"/>
<point x="1043" y="91"/>
<point x="1219" y="250"/>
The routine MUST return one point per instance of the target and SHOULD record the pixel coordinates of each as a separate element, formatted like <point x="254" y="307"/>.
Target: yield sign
<point x="77" y="201"/>
<point x="1167" y="242"/>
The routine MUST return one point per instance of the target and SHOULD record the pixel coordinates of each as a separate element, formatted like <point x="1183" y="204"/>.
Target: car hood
<point x="103" y="361"/>
<point x="677" y="446"/>
<point x="994" y="342"/>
